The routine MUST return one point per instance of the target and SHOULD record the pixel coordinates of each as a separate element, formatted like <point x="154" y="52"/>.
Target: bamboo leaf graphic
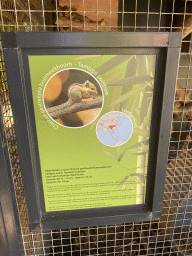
<point x="131" y="67"/>
<point x="134" y="103"/>
<point x="139" y="154"/>
<point x="134" y="179"/>
<point x="93" y="124"/>
<point x="82" y="57"/>
<point x="151" y="73"/>
<point x="141" y="184"/>
<point x="138" y="145"/>
<point x="124" y="186"/>
<point x="147" y="121"/>
<point x="135" y="146"/>
<point x="114" y="93"/>
<point x="140" y="177"/>
<point x="141" y="132"/>
<point x="149" y="88"/>
<point x="145" y="104"/>
<point x="114" y="90"/>
<point x="126" y="177"/>
<point x="136" y="174"/>
<point x="130" y="81"/>
<point x="151" y="84"/>
<point x="132" y="188"/>
<point x="137" y="111"/>
<point x="134" y="149"/>
<point x="109" y="154"/>
<point x="145" y="148"/>
<point x="141" y="65"/>
<point x="150" y="61"/>
<point x="127" y="95"/>
<point x="114" y="76"/>
<point x="113" y="62"/>
<point x="130" y="72"/>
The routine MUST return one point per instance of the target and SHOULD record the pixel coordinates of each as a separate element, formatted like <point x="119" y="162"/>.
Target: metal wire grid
<point x="46" y="15"/>
<point x="170" y="236"/>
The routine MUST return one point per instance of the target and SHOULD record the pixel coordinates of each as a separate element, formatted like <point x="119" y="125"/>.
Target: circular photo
<point x="114" y="129"/>
<point x="73" y="98"/>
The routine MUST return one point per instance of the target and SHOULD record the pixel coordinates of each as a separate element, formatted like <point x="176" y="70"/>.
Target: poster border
<point x="18" y="45"/>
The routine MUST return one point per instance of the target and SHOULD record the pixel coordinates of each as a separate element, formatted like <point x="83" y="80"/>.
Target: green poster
<point x="93" y="117"/>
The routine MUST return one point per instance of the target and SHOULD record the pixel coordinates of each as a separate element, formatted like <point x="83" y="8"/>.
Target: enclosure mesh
<point x="172" y="235"/>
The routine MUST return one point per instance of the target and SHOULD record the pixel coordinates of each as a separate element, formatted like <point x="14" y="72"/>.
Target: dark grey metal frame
<point x="17" y="47"/>
<point x="11" y="243"/>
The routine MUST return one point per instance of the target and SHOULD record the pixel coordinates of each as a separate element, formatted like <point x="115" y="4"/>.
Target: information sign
<point x="94" y="123"/>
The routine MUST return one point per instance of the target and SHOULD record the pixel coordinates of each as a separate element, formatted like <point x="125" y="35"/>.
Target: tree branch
<point x="81" y="106"/>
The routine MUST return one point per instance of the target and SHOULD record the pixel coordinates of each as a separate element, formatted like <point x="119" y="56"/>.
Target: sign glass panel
<point x="93" y="119"/>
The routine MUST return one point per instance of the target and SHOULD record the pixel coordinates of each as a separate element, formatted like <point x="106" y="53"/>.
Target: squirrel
<point x="77" y="92"/>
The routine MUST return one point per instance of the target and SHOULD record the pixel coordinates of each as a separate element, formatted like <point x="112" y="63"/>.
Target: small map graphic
<point x="114" y="129"/>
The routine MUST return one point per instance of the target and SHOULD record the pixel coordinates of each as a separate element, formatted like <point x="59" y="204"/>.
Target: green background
<point x="69" y="148"/>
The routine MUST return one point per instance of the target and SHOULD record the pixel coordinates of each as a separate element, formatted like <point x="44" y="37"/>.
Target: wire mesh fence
<point x="172" y="235"/>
